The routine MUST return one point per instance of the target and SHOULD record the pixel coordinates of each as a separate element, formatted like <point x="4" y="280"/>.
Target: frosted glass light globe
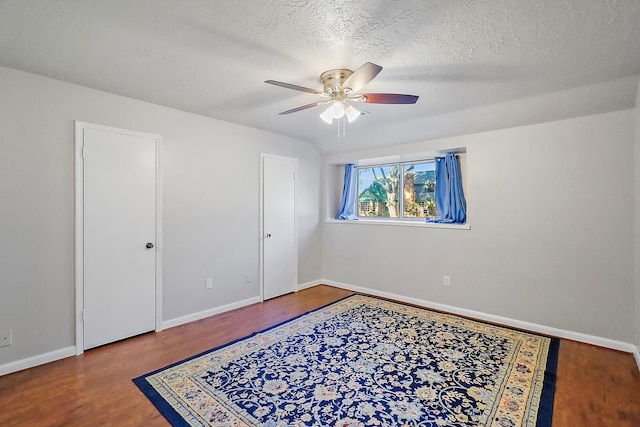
<point x="337" y="110"/>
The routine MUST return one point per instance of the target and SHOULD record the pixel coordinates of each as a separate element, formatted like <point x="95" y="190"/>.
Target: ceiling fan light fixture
<point x="337" y="109"/>
<point x="326" y="115"/>
<point x="340" y="89"/>
<point x="351" y="113"/>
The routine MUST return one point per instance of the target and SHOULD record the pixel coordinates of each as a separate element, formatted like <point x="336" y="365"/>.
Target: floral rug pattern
<point x="364" y="361"/>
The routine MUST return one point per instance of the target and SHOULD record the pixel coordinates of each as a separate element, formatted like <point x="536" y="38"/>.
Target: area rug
<point x="364" y="361"/>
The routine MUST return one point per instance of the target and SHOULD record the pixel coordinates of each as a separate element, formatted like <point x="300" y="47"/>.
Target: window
<point x="402" y="191"/>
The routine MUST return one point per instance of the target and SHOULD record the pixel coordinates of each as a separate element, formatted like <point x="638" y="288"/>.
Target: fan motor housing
<point x="333" y="79"/>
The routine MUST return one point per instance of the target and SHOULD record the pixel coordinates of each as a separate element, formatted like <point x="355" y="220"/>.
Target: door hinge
<point x="84" y="151"/>
<point x="84" y="315"/>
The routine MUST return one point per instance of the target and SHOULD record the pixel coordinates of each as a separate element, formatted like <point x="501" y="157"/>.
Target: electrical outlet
<point x="208" y="284"/>
<point x="447" y="281"/>
<point x="5" y="338"/>
<point x="247" y="278"/>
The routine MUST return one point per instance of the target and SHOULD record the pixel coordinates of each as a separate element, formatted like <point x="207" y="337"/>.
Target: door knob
<point x="149" y="245"/>
<point x="267" y="235"/>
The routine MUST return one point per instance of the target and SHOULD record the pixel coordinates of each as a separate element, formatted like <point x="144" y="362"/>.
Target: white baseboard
<point x="206" y="313"/>
<point x="40" y="359"/>
<point x="533" y="327"/>
<point x="561" y="333"/>
<point x="52" y="356"/>
<point x="311" y="284"/>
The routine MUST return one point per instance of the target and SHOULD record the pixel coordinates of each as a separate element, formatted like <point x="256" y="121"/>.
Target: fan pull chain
<point x="342" y="128"/>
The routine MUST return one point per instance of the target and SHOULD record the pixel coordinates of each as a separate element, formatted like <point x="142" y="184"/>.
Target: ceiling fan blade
<point x="389" y="98"/>
<point x="361" y="76"/>
<point x="294" y="87"/>
<point x="304" y="107"/>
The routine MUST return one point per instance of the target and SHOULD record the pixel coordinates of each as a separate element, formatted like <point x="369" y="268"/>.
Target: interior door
<point x="119" y="220"/>
<point x="279" y="242"/>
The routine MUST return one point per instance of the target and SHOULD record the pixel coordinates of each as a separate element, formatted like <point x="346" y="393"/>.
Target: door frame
<point x="79" y="224"/>
<point x="295" y="220"/>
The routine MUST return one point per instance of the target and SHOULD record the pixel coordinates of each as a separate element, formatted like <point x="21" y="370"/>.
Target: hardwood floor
<point x="595" y="386"/>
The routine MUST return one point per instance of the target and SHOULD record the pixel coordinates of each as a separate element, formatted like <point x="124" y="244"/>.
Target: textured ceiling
<point x="476" y="64"/>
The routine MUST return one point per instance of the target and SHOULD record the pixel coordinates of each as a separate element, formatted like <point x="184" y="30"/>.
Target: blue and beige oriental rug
<point x="364" y="361"/>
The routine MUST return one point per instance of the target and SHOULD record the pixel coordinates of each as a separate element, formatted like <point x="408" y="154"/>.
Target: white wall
<point x="551" y="238"/>
<point x="210" y="203"/>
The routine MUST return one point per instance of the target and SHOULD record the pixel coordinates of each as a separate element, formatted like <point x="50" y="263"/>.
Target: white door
<point x="119" y="229"/>
<point x="279" y="242"/>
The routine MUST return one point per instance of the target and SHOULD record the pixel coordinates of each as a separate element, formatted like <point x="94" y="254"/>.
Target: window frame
<point x="401" y="202"/>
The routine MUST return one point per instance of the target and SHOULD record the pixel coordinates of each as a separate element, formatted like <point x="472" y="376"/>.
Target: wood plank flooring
<point x="595" y="386"/>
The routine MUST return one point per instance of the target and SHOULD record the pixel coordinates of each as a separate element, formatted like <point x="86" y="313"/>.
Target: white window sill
<point x="399" y="223"/>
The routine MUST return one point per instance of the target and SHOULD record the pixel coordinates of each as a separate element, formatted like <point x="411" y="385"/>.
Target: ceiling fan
<point x="341" y="88"/>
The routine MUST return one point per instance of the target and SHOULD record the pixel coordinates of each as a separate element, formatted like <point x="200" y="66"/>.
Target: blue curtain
<point x="450" y="202"/>
<point x="348" y="204"/>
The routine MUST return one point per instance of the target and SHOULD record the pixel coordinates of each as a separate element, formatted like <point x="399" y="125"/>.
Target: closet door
<point x="119" y="239"/>
<point x="279" y="240"/>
